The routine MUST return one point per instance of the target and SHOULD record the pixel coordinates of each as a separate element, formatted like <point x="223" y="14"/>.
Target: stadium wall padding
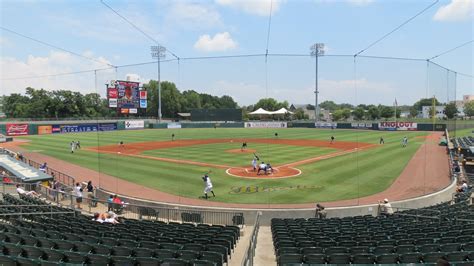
<point x="3" y="129"/>
<point x="120" y="125"/>
<point x="429" y="127"/>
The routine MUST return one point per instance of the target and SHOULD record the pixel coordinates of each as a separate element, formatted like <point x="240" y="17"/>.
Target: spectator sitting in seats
<point x="21" y="191"/>
<point x="463" y="188"/>
<point x="118" y="204"/>
<point x="107" y="217"/>
<point x="385" y="208"/>
<point x="98" y="218"/>
<point x="320" y="211"/>
<point x="5" y="178"/>
<point x="111" y="217"/>
<point x="43" y="167"/>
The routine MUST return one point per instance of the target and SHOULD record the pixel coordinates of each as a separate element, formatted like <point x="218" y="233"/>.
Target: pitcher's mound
<point x="242" y="151"/>
<point x="278" y="172"/>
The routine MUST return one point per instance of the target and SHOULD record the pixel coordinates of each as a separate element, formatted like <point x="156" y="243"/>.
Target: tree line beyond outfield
<point x="41" y="103"/>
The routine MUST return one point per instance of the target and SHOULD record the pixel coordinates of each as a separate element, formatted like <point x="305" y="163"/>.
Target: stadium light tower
<point x="158" y="52"/>
<point x="317" y="50"/>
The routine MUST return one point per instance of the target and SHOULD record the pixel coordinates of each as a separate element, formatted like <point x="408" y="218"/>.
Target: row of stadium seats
<point x="412" y="236"/>
<point x="75" y="238"/>
<point x="426" y="259"/>
<point x="463" y="142"/>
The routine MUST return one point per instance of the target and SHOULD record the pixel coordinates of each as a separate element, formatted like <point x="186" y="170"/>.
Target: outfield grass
<point x="344" y="177"/>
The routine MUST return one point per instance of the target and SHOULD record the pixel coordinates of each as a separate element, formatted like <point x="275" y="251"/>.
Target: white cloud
<point x="254" y="7"/>
<point x="53" y="63"/>
<point x="193" y="15"/>
<point x="360" y="2"/>
<point x="457" y="10"/>
<point x="219" y="43"/>
<point x="5" y="42"/>
<point x="351" y="2"/>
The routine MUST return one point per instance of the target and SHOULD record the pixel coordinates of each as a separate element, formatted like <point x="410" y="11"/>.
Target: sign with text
<point x="398" y="125"/>
<point x="134" y="124"/>
<point x="17" y="129"/>
<point x="325" y="125"/>
<point x="265" y="124"/>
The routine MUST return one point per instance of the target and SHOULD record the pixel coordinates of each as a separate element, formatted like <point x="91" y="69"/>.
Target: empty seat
<point x="428" y="248"/>
<point x="414" y="257"/>
<point x="95" y="259"/>
<point x="457" y="256"/>
<point x="315" y="258"/>
<point x="339" y="258"/>
<point x="432" y="257"/>
<point x="363" y="258"/>
<point x="387" y="258"/>
<point x="289" y="258"/>
<point x="383" y="250"/>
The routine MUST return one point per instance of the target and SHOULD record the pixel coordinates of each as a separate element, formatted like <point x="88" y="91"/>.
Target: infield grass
<point x="344" y="177"/>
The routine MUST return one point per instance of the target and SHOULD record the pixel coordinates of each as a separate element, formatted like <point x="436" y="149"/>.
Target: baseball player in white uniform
<point x="208" y="184"/>
<point x="254" y="164"/>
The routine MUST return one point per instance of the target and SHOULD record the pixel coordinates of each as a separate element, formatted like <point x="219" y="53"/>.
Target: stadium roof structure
<point x="261" y="111"/>
<point x="281" y="111"/>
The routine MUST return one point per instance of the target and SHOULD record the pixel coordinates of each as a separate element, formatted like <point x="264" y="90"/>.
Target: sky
<point x="198" y="31"/>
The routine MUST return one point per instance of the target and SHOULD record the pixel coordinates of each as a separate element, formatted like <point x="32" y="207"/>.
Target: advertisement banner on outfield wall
<point x="265" y="125"/>
<point x="361" y="125"/>
<point x="107" y="126"/>
<point x="16" y="129"/>
<point x="43" y="130"/>
<point x="134" y="124"/>
<point x="74" y="128"/>
<point x="174" y="125"/>
<point x="398" y="125"/>
<point x="325" y="125"/>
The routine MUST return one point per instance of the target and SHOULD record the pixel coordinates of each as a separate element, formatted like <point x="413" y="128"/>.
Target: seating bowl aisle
<point x="74" y="238"/>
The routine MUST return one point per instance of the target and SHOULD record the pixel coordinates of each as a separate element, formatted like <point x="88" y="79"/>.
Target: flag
<point x="396" y="104"/>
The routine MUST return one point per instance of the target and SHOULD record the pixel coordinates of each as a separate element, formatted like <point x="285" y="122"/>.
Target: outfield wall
<point x="53" y="127"/>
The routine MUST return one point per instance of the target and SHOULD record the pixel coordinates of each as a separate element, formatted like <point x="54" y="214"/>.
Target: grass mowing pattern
<point x="343" y="177"/>
<point x="275" y="154"/>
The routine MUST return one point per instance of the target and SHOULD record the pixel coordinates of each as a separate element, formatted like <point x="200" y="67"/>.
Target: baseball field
<point x="308" y="168"/>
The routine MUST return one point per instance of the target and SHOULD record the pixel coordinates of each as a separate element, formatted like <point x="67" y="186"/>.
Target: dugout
<point x="220" y="114"/>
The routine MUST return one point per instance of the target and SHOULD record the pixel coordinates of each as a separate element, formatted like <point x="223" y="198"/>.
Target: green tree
<point x="450" y="110"/>
<point x="270" y="104"/>
<point x="299" y="114"/>
<point x="413" y="112"/>
<point x="425" y="102"/>
<point x="373" y="112"/>
<point x="469" y="108"/>
<point x="338" y="115"/>
<point x="170" y="99"/>
<point x="11" y="105"/>
<point x="359" y="113"/>
<point x="386" y="111"/>
<point x="329" y="105"/>
<point x="346" y="113"/>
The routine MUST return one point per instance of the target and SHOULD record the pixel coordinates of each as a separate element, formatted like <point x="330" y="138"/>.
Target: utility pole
<point x="158" y="52"/>
<point x="317" y="50"/>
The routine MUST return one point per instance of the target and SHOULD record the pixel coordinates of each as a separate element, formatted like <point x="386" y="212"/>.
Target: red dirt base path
<point x="426" y="173"/>
<point x="241" y="151"/>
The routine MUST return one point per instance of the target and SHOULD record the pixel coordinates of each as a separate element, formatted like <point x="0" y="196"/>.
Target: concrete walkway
<point x="265" y="252"/>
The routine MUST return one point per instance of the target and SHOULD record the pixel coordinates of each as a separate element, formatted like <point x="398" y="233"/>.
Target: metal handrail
<point x="250" y="253"/>
<point x="141" y="211"/>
